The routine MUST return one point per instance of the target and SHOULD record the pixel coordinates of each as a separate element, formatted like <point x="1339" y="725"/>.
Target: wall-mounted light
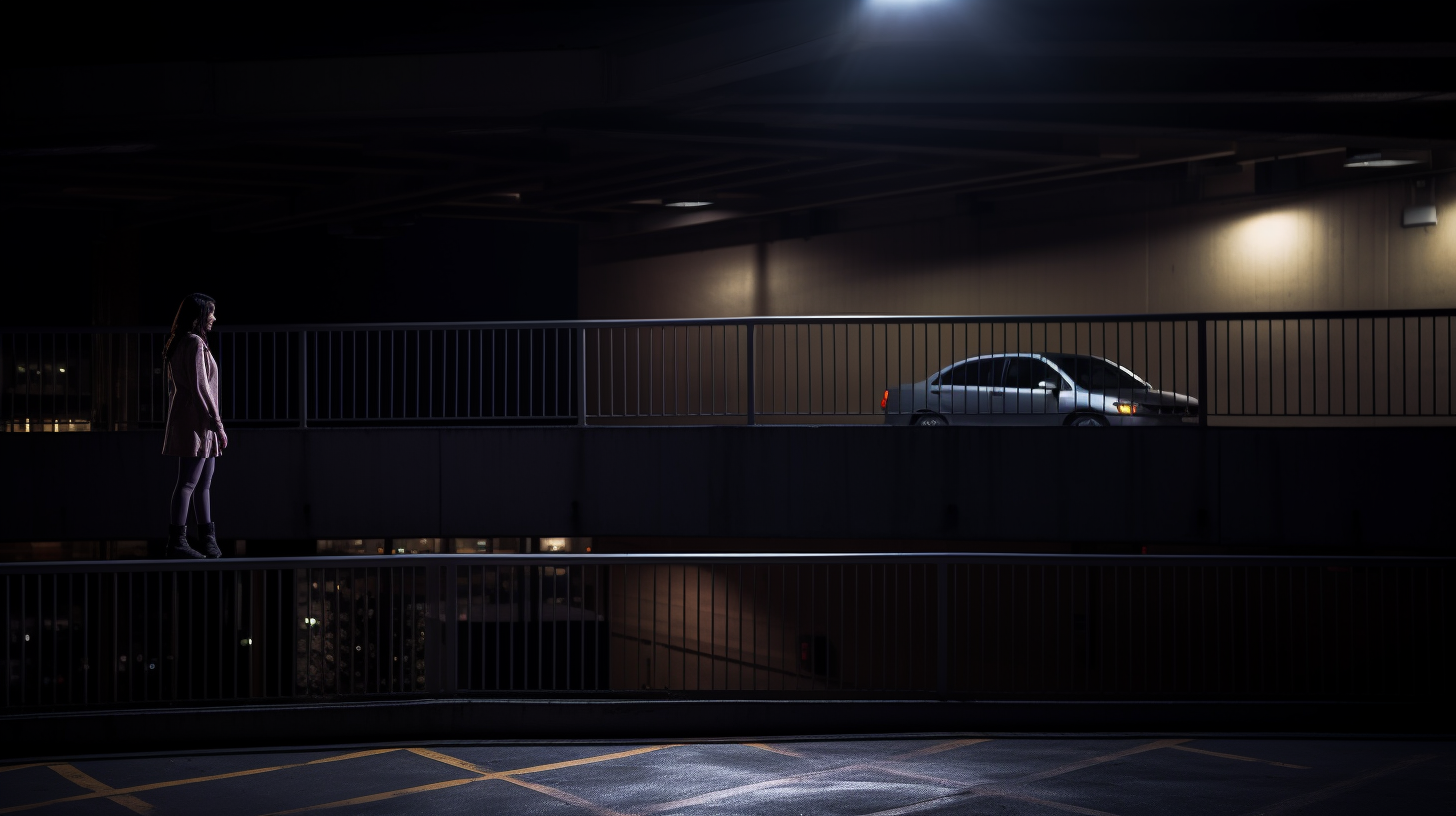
<point x="1418" y="216"/>
<point x="1369" y="157"/>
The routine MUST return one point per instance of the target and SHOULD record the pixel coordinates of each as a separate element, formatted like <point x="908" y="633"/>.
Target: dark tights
<point x="194" y="486"/>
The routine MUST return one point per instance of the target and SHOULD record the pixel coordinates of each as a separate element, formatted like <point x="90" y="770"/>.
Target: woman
<point x="194" y="425"/>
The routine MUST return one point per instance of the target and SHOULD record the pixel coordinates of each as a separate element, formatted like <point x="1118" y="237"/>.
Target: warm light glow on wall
<point x="1272" y="241"/>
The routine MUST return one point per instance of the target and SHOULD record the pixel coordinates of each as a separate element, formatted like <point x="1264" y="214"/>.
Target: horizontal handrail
<point x="1321" y="314"/>
<point x="574" y="559"/>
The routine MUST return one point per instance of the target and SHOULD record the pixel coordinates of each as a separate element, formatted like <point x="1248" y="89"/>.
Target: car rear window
<point x="985" y="371"/>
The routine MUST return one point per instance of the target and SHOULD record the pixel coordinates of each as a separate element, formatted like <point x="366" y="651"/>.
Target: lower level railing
<point x="104" y="634"/>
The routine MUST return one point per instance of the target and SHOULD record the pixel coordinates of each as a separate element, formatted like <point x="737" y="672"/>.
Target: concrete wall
<point x="1340" y="248"/>
<point x="1361" y="488"/>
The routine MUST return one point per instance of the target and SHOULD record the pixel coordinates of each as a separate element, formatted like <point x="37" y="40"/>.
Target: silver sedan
<point x="1035" y="389"/>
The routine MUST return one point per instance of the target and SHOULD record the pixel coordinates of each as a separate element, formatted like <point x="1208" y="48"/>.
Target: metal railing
<point x="935" y="626"/>
<point x="1240" y="367"/>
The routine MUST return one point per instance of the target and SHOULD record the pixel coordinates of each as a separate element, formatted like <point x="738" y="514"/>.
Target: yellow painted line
<point x="449" y="760"/>
<point x="18" y="767"/>
<point x="563" y="796"/>
<point x="944" y="783"/>
<point x="177" y="782"/>
<point x="1087" y="763"/>
<point x="1239" y="758"/>
<point x="763" y="746"/>
<point x="944" y="746"/>
<point x="1304" y="799"/>
<point x="485" y="774"/>
<point x="572" y="763"/>
<point x="342" y="757"/>
<point x="379" y="797"/>
<point x="73" y="774"/>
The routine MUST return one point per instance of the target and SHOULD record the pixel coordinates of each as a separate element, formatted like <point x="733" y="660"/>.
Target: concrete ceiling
<point x="598" y="114"/>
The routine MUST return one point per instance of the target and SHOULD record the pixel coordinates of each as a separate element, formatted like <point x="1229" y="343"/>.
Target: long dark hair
<point x="191" y="319"/>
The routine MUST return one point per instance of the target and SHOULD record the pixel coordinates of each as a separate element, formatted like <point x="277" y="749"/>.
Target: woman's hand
<point x="221" y="435"/>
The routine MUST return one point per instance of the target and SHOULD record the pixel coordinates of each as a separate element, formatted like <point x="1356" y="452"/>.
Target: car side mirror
<point x="1050" y="385"/>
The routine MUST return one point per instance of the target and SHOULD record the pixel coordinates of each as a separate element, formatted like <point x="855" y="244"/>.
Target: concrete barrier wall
<point x="1317" y="488"/>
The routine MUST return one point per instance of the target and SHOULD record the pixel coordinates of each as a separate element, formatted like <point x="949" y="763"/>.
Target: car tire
<point x="1088" y="421"/>
<point x="930" y="421"/>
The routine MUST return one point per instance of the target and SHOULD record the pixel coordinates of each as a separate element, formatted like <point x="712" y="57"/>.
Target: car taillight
<point x="885" y="400"/>
<point x="1126" y="407"/>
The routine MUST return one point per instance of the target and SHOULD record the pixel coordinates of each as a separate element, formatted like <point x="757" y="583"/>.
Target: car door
<point x="1024" y="398"/>
<point x="948" y="392"/>
<point x="983" y="391"/>
<point x="958" y="394"/>
<point x="940" y="392"/>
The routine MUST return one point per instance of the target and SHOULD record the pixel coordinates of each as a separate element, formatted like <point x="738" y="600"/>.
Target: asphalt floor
<point x="963" y="774"/>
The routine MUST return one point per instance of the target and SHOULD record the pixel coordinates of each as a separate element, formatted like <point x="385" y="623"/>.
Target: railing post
<point x="302" y="378"/>
<point x="434" y="631"/>
<point x="942" y="629"/>
<point x="450" y="617"/>
<point x="1204" y="403"/>
<point x="580" y="377"/>
<point x="752" y="374"/>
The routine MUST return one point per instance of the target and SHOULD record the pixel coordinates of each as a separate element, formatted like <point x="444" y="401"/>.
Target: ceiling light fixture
<point x="1367" y="157"/>
<point x="677" y="203"/>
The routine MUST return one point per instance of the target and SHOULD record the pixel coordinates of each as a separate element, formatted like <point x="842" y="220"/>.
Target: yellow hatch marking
<point x="1297" y="802"/>
<point x="944" y="746"/>
<point x="563" y="796"/>
<point x="90" y="783"/>
<point x="1239" y="758"/>
<point x="763" y="746"/>
<point x="485" y="774"/>
<point x="177" y="782"/>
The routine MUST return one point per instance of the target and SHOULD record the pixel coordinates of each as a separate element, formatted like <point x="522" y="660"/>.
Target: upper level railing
<point x="1250" y="367"/>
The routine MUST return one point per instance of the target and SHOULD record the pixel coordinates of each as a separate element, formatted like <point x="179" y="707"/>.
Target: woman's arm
<point x="196" y="374"/>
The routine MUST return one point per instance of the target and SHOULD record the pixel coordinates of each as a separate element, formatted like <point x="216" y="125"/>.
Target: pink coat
<point x="193" y="419"/>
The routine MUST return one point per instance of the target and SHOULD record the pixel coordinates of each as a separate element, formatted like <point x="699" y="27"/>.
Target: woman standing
<point x="194" y="425"/>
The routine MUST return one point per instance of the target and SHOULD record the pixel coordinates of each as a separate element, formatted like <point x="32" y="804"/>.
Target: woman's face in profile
<point x="211" y="319"/>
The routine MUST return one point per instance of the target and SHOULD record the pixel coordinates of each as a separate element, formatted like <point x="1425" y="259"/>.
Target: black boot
<point x="209" y="540"/>
<point x="177" y="546"/>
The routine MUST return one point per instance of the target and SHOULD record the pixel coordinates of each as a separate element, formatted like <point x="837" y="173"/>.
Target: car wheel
<point x="930" y="421"/>
<point x="1088" y="421"/>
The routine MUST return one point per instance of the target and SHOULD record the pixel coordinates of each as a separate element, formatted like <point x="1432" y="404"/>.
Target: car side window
<point x="1018" y="372"/>
<point x="1026" y="372"/>
<point x="1041" y="372"/>
<point x="956" y="376"/>
<point x="988" y="372"/>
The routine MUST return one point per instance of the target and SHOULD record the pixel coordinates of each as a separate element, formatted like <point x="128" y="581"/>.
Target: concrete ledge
<point x="164" y="729"/>
<point x="1318" y="488"/>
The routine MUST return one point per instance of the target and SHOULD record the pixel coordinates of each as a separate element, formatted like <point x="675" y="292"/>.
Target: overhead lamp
<point x="1366" y="157"/>
<point x="674" y="202"/>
